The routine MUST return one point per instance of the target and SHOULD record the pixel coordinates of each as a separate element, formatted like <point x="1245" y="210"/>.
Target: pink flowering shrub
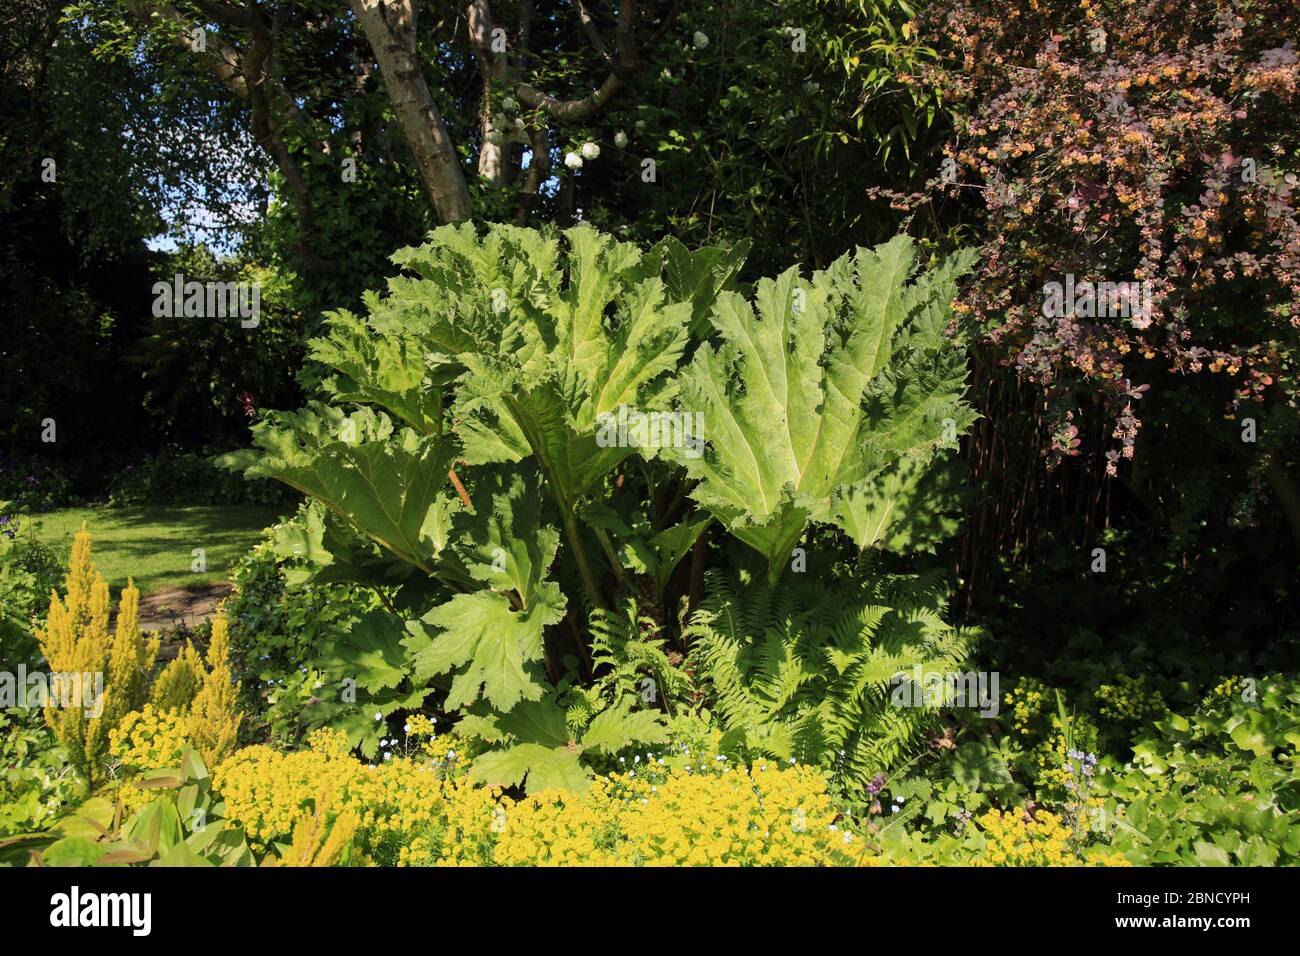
<point x="1143" y="142"/>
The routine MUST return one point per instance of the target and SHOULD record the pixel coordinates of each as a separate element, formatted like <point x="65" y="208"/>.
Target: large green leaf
<point x="491" y="640"/>
<point x="544" y="768"/>
<point x="697" y="277"/>
<point x="492" y="648"/>
<point x="390" y="485"/>
<point x="541" y="750"/>
<point x="813" y="393"/>
<point x="370" y="652"/>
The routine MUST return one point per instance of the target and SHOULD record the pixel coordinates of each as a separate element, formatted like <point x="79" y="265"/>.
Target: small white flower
<point x="573" y="160"/>
<point x="701" y="40"/>
<point x="620" y="139"/>
<point x="379" y="716"/>
<point x="590" y="151"/>
<point x="406" y="728"/>
<point x="640" y="124"/>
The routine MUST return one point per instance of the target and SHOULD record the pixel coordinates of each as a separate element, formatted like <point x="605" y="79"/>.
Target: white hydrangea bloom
<point x="590" y="151"/>
<point x="573" y="160"/>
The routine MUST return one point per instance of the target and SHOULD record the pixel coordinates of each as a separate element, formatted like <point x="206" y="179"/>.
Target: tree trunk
<point x="493" y="140"/>
<point x="389" y="26"/>
<point x="1287" y="494"/>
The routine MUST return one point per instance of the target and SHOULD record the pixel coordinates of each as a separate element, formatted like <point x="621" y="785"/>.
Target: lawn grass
<point x="154" y="545"/>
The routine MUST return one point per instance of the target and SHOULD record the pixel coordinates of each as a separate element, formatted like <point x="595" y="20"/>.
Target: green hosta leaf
<point x="802" y="405"/>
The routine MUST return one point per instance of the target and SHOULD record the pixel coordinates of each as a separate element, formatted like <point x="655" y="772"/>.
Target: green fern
<point x="804" y="670"/>
<point x="629" y="662"/>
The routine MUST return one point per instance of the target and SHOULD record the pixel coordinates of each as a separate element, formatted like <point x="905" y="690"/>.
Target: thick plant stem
<point x="608" y="547"/>
<point x="589" y="580"/>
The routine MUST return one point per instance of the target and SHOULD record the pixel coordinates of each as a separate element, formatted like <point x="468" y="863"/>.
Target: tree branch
<point x="622" y="65"/>
<point x="246" y="76"/>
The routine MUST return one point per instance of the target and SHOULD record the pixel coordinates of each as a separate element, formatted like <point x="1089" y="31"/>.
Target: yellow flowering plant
<point x="80" y="647"/>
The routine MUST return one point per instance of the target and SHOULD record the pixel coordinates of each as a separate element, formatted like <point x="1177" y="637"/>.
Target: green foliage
<point x="539" y="748"/>
<point x="629" y="661"/>
<point x="30" y="571"/>
<point x="174" y="476"/>
<point x="182" y="826"/>
<point x="472" y="463"/>
<point x="36" y="783"/>
<point x="804" y="670"/>
<point x="1216" y="788"/>
<point x="297" y="636"/>
<point x="826" y="403"/>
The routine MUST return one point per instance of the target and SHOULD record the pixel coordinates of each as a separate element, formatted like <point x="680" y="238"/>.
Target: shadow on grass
<point x="156" y="545"/>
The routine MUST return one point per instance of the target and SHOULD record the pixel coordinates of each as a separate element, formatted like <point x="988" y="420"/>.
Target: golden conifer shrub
<point x="179" y="681"/>
<point x="214" y="714"/>
<point x="76" y="641"/>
